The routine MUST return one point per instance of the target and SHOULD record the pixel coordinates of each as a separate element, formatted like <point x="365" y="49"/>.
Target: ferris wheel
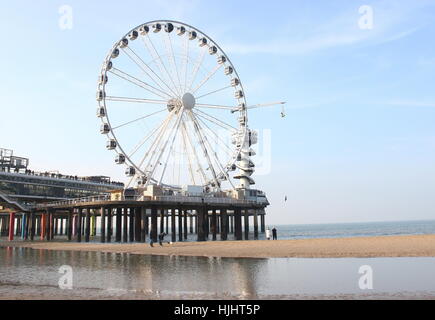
<point x="174" y="110"/>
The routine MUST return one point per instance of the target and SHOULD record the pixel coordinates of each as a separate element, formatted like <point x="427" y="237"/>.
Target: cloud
<point x="392" y="22"/>
<point x="411" y="103"/>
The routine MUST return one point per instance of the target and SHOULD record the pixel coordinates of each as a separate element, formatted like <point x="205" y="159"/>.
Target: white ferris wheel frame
<point x="241" y="106"/>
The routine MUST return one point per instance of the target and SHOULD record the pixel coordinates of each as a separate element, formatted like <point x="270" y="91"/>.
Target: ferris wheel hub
<point x="188" y="101"/>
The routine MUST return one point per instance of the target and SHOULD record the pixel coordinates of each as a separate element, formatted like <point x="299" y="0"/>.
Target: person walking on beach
<point x="267" y="233"/>
<point x="274" y="236"/>
<point x="162" y="238"/>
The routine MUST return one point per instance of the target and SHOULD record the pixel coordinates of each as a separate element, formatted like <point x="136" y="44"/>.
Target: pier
<point x="104" y="220"/>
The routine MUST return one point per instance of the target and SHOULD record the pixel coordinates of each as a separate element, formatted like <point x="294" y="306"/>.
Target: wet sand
<point x="358" y="247"/>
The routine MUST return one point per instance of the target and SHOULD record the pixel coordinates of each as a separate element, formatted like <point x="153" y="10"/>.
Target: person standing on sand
<point x="274" y="236"/>
<point x="267" y="233"/>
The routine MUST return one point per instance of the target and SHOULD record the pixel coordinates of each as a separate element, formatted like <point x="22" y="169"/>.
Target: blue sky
<point x="358" y="141"/>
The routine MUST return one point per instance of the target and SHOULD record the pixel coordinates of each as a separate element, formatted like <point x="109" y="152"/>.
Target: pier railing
<point x="175" y="199"/>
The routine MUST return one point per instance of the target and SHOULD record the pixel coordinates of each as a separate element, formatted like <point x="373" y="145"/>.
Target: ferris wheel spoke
<point x="148" y="67"/>
<point x="148" y="136"/>
<point x="186" y="61"/>
<point x="135" y="100"/>
<point x="212" y="92"/>
<point x="188" y="154"/>
<point x="124" y="75"/>
<point x="196" y="67"/>
<point x="215" y="120"/>
<point x="172" y="145"/>
<point x="178" y="88"/>
<point x="162" y="150"/>
<point x="200" y="168"/>
<point x="203" y="146"/>
<point x="214" y="153"/>
<point x="160" y="63"/>
<point x="156" y="141"/>
<point x="141" y="118"/>
<point x="208" y="77"/>
<point x="213" y="106"/>
<point x="217" y="139"/>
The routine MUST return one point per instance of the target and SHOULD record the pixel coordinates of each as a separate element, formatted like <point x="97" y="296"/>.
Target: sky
<point x="358" y="140"/>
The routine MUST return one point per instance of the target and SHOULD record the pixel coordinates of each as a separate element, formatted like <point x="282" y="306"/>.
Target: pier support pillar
<point x="109" y="231"/>
<point x="231" y="218"/>
<point x="143" y="224"/>
<point x="153" y="234"/>
<point x="79" y="225"/>
<point x="11" y="226"/>
<point x="162" y="220"/>
<point x="137" y="225"/>
<point x="263" y="224"/>
<point x="88" y="225"/>
<point x="224" y="225"/>
<point x="103" y="225"/>
<point x="69" y="225"/>
<point x="118" y="224"/>
<point x="50" y="233"/>
<point x="180" y="225"/>
<point x="246" y="216"/>
<point x="167" y="221"/>
<point x="201" y="223"/>
<point x="132" y="216"/>
<point x="238" y="224"/>
<point x="125" y="226"/>
<point x="191" y="222"/>
<point x="185" y="224"/>
<point x="32" y="225"/>
<point x="213" y="225"/>
<point x="173" y="230"/>
<point x="255" y="225"/>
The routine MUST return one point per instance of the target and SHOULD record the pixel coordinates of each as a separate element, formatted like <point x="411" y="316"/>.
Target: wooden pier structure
<point x="104" y="220"/>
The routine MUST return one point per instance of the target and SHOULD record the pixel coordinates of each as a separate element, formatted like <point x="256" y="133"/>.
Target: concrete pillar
<point x="263" y="224"/>
<point x="185" y="224"/>
<point x="32" y="225"/>
<point x="79" y="225"/>
<point x="201" y="216"/>
<point x="131" y="224"/>
<point x="180" y="224"/>
<point x="246" y="216"/>
<point x="153" y="234"/>
<point x="167" y="221"/>
<point x="231" y="218"/>
<point x="238" y="224"/>
<point x="125" y="226"/>
<point x="69" y="225"/>
<point x="118" y="224"/>
<point x="255" y="225"/>
<point x="87" y="225"/>
<point x="143" y="218"/>
<point x="11" y="226"/>
<point x="103" y="225"/>
<point x="213" y="224"/>
<point x="162" y="220"/>
<point x="109" y="231"/>
<point x="173" y="230"/>
<point x="23" y="226"/>
<point x="137" y="224"/>
<point x="51" y="224"/>
<point x="224" y="226"/>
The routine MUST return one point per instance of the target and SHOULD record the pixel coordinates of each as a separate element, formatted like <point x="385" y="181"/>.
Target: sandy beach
<point x="358" y="247"/>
